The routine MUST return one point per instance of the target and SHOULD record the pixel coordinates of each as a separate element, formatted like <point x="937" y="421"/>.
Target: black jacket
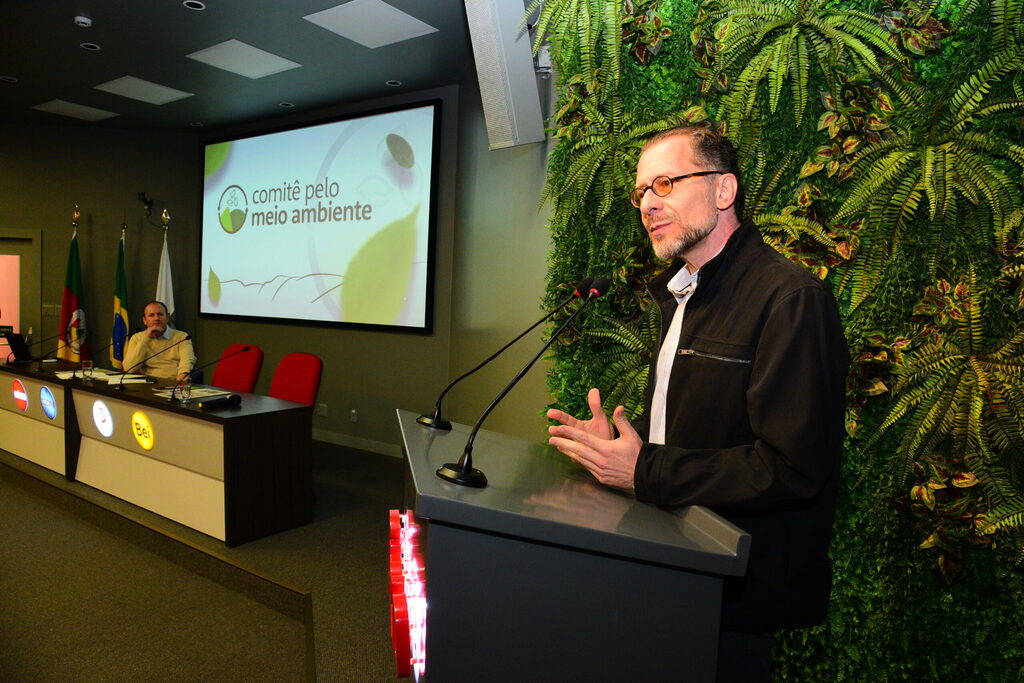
<point x="754" y="424"/>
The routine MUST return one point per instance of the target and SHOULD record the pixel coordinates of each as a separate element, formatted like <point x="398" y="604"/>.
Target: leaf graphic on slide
<point x="378" y="276"/>
<point x="213" y="288"/>
<point x="232" y="219"/>
<point x="401" y="150"/>
<point x="216" y="155"/>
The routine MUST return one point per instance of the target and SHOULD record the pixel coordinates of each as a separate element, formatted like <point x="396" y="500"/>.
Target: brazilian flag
<point x="119" y="336"/>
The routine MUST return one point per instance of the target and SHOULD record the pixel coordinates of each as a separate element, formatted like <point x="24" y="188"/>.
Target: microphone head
<point x="599" y="286"/>
<point x="583" y="288"/>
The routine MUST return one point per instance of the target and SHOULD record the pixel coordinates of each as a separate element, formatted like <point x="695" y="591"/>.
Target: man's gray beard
<point x="668" y="250"/>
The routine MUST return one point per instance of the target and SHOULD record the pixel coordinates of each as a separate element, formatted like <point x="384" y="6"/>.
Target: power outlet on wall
<point x="354" y="415"/>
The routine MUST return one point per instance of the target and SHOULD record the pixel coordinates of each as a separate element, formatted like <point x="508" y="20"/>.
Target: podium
<point x="546" y="575"/>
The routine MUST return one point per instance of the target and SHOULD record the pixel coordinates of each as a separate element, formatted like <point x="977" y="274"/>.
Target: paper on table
<point x="127" y="379"/>
<point x="197" y="392"/>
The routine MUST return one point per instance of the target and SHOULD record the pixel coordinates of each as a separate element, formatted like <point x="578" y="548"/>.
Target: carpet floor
<point x="95" y="589"/>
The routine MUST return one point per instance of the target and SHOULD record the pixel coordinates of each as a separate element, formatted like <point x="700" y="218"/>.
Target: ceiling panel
<point x="150" y="39"/>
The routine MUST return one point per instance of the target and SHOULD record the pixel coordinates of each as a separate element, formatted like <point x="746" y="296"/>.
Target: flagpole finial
<point x="74" y="217"/>
<point x="165" y="217"/>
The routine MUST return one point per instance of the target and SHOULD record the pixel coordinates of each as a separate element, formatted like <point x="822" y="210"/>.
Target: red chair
<point x="297" y="378"/>
<point x="240" y="371"/>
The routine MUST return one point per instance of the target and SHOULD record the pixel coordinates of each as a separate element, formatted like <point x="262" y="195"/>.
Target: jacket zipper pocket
<point x="713" y="356"/>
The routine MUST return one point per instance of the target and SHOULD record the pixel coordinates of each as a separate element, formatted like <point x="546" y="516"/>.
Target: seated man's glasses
<point x="662" y="186"/>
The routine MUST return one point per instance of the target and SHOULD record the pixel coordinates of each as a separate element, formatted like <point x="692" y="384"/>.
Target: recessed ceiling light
<point x="194" y="4"/>
<point x="196" y="124"/>
<point x="8" y="79"/>
<point x="393" y="83"/>
<point x="286" y="104"/>
<point x="90" y="46"/>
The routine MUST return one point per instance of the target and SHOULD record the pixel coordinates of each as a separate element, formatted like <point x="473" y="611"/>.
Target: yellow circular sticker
<point x="142" y="430"/>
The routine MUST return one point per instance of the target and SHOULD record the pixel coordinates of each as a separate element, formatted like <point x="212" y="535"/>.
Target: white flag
<point x="164" y="285"/>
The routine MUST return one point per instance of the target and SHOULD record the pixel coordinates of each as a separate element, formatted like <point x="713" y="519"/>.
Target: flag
<point x="164" y="286"/>
<point x="119" y="335"/>
<point x="72" y="317"/>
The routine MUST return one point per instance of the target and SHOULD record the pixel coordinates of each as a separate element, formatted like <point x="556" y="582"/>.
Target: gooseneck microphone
<point x="463" y="473"/>
<point x="435" y="420"/>
<point x="177" y="385"/>
<point x="60" y="345"/>
<point x="120" y="381"/>
<point x="74" y="375"/>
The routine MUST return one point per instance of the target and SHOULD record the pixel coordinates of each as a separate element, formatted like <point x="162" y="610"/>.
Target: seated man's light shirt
<point x="166" y="362"/>
<point x="682" y="286"/>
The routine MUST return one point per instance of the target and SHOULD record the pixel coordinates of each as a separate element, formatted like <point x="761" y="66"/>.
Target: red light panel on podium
<point x="408" y="596"/>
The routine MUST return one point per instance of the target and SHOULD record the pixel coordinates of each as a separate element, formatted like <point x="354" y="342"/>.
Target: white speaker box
<point x="505" y="71"/>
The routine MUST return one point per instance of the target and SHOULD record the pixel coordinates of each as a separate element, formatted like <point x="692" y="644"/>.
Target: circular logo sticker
<point x="102" y="419"/>
<point x="20" y="395"/>
<point x="48" y="403"/>
<point x="142" y="430"/>
<point x="232" y="209"/>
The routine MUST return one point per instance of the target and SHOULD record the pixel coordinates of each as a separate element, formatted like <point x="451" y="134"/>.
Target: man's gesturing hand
<point x="592" y="443"/>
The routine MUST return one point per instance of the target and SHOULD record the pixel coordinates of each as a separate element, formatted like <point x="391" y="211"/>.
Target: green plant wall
<point x="882" y="146"/>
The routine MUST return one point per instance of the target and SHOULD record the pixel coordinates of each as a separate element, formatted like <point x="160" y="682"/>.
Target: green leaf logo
<point x="232" y="209"/>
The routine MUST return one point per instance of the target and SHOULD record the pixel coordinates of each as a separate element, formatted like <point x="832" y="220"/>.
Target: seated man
<point x="159" y="351"/>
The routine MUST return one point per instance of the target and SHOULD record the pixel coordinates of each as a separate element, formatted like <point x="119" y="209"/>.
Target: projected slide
<point x="327" y="223"/>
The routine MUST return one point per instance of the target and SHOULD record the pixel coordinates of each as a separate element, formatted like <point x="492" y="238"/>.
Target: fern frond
<point x="870" y="180"/>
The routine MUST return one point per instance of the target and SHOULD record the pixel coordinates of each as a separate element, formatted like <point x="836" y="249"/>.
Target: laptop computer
<point x="19" y="349"/>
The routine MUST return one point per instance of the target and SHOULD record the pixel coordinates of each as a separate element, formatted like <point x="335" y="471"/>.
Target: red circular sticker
<point x="20" y="395"/>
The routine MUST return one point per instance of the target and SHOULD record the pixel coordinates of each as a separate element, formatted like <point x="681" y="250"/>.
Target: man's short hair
<point x="711" y="150"/>
<point x="162" y="304"/>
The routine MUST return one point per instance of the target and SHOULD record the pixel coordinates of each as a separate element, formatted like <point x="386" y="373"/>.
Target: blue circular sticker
<point x="48" y="403"/>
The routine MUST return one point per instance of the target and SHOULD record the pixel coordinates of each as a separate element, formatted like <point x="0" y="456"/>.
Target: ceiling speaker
<point x="504" y="68"/>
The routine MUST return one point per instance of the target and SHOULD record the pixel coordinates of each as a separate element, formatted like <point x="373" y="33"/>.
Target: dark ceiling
<point x="149" y="40"/>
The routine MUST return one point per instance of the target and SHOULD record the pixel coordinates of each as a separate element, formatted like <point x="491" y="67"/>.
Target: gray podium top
<point x="535" y="492"/>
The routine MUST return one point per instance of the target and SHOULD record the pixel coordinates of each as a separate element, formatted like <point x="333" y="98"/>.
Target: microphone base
<point x="439" y="423"/>
<point x="452" y="472"/>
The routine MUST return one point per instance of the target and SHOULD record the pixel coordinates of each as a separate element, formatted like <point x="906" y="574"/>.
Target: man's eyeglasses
<point x="662" y="186"/>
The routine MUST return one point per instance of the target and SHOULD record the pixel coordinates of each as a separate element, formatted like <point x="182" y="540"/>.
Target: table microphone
<point x="463" y="473"/>
<point x="174" y="391"/>
<point x="74" y="376"/>
<point x="61" y="345"/>
<point x="215" y="402"/>
<point x="120" y="381"/>
<point x="435" y="420"/>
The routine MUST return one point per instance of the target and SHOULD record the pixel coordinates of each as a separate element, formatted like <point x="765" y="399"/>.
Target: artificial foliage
<point x="882" y="147"/>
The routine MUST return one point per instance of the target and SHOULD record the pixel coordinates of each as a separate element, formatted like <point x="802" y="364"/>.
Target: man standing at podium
<point x="745" y="402"/>
<point x="163" y="352"/>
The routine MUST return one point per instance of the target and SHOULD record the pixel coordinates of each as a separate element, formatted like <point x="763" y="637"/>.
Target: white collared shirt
<point x="682" y="286"/>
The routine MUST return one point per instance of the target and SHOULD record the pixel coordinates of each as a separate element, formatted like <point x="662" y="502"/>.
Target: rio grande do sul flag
<point x="119" y="335"/>
<point x="72" y="317"/>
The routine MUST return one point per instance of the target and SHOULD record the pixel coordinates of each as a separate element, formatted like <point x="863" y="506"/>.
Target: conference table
<point x="236" y="473"/>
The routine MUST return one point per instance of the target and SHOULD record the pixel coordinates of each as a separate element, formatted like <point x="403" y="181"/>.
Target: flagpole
<point x="164" y="281"/>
